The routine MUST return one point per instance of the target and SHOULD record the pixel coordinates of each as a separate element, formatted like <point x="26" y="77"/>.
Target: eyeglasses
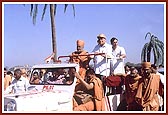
<point x="101" y="38"/>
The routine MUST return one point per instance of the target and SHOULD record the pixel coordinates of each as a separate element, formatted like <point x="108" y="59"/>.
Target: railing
<point x="81" y="55"/>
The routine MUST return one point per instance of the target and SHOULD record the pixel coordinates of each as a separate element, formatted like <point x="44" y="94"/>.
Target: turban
<point x="80" y="42"/>
<point x="146" y="65"/>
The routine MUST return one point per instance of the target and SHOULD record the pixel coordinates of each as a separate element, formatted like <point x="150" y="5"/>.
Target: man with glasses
<point x="102" y="62"/>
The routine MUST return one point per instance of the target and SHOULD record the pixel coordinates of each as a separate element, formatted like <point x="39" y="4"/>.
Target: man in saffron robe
<point x="148" y="88"/>
<point x="131" y="85"/>
<point x="83" y="61"/>
<point x="94" y="87"/>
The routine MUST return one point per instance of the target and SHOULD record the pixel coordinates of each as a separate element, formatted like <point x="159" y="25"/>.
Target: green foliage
<point x="34" y="11"/>
<point x="33" y="14"/>
<point x="157" y="47"/>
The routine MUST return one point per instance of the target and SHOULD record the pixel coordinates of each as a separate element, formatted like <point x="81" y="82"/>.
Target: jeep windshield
<point x="52" y="76"/>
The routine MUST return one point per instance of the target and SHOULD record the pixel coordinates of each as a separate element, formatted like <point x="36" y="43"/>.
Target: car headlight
<point x="11" y="106"/>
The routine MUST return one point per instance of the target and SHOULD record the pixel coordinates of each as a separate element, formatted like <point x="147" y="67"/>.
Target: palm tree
<point x="157" y="47"/>
<point x="33" y="13"/>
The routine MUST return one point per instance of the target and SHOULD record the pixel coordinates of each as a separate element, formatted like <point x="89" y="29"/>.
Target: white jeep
<point x="46" y="94"/>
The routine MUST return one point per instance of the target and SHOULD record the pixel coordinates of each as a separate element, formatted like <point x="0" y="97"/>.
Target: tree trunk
<point x="54" y="47"/>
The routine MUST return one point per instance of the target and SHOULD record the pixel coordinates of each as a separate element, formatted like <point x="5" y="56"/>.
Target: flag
<point x="48" y="59"/>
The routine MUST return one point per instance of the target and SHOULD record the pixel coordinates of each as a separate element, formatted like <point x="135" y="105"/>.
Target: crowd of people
<point x="15" y="82"/>
<point x="143" y="87"/>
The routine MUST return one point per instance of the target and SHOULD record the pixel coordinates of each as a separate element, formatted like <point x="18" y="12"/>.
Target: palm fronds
<point x="157" y="47"/>
<point x="44" y="10"/>
<point x="33" y="14"/>
<point x="73" y="6"/>
<point x="34" y="11"/>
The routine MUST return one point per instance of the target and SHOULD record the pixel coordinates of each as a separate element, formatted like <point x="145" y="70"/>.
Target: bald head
<point x="80" y="45"/>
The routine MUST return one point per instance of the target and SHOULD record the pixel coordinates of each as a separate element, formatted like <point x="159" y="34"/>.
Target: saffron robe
<point x="147" y="96"/>
<point x="131" y="85"/>
<point x="98" y="102"/>
<point x="83" y="61"/>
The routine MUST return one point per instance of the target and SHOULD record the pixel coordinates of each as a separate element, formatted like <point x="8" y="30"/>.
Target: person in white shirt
<point x="118" y="56"/>
<point x="19" y="84"/>
<point x="102" y="62"/>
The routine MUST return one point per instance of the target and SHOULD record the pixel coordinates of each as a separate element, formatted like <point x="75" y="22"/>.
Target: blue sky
<point x="25" y="43"/>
